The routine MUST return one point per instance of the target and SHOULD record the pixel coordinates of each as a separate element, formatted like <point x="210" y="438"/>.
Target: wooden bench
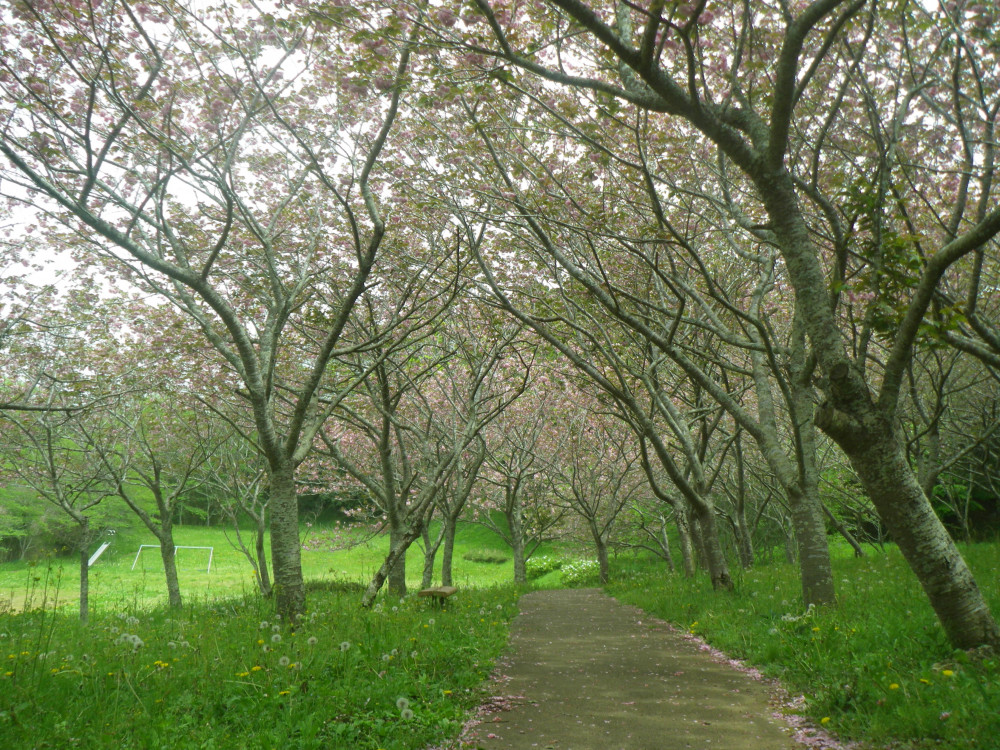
<point x="438" y="594"/>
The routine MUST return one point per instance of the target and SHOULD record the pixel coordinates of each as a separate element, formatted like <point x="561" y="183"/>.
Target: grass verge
<point x="875" y="669"/>
<point x="229" y="675"/>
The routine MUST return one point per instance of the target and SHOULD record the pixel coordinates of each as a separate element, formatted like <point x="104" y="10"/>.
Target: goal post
<point x="211" y="552"/>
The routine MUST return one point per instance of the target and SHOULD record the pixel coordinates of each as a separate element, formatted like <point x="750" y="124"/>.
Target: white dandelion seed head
<point x="386" y="657"/>
<point x="171" y="644"/>
<point x="402" y="703"/>
<point x="264" y="625"/>
<point x="413" y="654"/>
<point x="313" y="640"/>
<point x="114" y="630"/>
<point x="276" y="638"/>
<point x="395" y="609"/>
<point x="275" y="628"/>
<point x="406" y="714"/>
<point x="344" y="645"/>
<point x="430" y="621"/>
<point x="284" y="661"/>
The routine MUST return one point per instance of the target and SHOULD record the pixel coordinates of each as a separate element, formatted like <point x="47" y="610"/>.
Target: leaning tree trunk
<point x="286" y="552"/>
<point x="880" y="463"/>
<point x="397" y="552"/>
<point x="263" y="577"/>
<point x="168" y="554"/>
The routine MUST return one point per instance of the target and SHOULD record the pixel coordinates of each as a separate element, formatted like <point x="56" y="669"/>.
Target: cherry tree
<point x="777" y="92"/>
<point x="222" y="158"/>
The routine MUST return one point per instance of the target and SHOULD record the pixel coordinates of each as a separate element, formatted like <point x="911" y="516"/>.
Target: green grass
<point x="877" y="668"/>
<point x="114" y="585"/>
<point x="224" y="673"/>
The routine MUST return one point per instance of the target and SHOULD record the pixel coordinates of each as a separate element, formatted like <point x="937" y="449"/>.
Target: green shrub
<point x="581" y="573"/>
<point x="536" y="567"/>
<point x="493" y="556"/>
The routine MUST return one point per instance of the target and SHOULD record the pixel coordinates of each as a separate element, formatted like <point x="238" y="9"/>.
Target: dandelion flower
<point x="947" y="672"/>
<point x="402" y="703"/>
<point x="894" y="686"/>
<point x="825" y="720"/>
<point x="406" y="714"/>
<point x="256" y="668"/>
<point x="284" y="692"/>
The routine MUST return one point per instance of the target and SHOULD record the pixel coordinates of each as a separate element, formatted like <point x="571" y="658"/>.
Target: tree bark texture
<point x="286" y="550"/>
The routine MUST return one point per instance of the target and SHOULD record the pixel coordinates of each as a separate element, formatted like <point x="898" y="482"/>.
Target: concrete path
<point x="584" y="672"/>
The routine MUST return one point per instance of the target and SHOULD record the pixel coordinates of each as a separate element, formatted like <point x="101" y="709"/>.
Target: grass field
<point x="115" y="585"/>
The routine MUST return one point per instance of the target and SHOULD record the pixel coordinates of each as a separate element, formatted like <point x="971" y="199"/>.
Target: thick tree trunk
<point x="286" y="551"/>
<point x="881" y="466"/>
<point x="815" y="570"/>
<point x="168" y="554"/>
<point x="397" y="571"/>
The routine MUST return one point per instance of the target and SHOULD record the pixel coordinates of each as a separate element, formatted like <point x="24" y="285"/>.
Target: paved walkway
<point x="584" y="672"/>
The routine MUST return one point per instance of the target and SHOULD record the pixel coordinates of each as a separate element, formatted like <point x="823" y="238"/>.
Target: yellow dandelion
<point x="947" y="672"/>
<point x="894" y="686"/>
<point x="925" y="681"/>
<point x="256" y="668"/>
<point x="825" y="720"/>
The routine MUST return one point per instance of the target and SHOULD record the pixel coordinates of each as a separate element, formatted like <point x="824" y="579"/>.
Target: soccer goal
<point x="211" y="551"/>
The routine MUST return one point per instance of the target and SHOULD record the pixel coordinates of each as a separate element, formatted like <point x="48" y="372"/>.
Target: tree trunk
<point x="718" y="568"/>
<point x="397" y="571"/>
<point x="168" y="554"/>
<point x="744" y="544"/>
<point x="263" y="577"/>
<point x="665" y="546"/>
<point x="430" y="552"/>
<point x="517" y="543"/>
<point x="448" y="553"/>
<point x="602" y="554"/>
<point x="286" y="551"/>
<point x="844" y="532"/>
<point x="813" y="550"/>
<point x="397" y="552"/>
<point x="84" y="583"/>
<point x="686" y="541"/>
<point x="879" y="461"/>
